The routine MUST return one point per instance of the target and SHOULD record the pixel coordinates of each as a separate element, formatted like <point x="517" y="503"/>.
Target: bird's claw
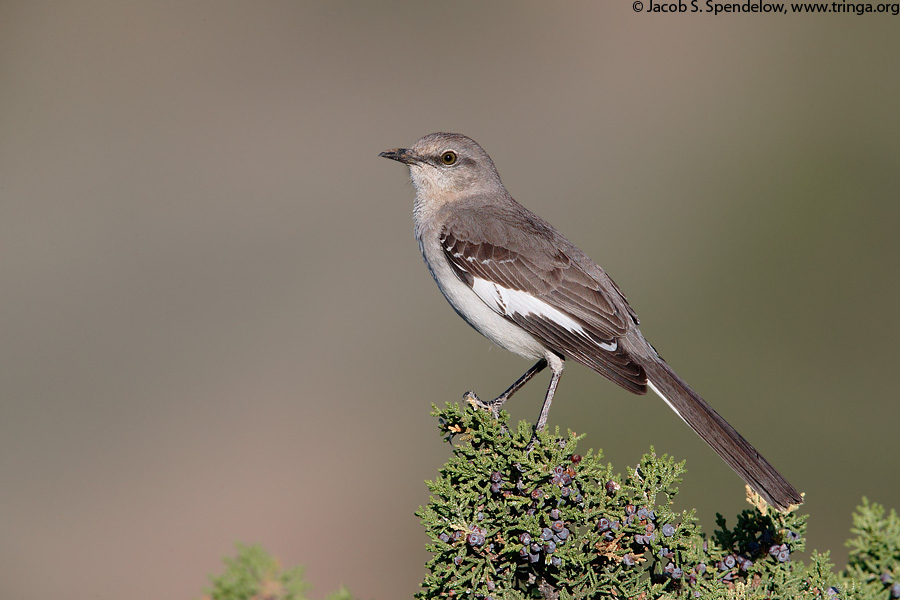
<point x="472" y="399"/>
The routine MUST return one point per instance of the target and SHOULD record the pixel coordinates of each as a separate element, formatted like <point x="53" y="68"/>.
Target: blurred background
<point x="215" y="325"/>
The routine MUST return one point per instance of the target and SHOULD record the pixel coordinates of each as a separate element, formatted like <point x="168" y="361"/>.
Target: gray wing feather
<point x="520" y="252"/>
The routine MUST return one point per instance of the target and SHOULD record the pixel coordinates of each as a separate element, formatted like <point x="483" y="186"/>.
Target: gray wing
<point x="529" y="274"/>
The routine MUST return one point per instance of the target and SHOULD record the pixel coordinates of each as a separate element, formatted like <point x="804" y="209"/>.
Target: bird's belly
<point x="481" y="317"/>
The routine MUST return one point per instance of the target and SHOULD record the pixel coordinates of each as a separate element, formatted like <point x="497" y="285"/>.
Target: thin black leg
<point x="495" y="404"/>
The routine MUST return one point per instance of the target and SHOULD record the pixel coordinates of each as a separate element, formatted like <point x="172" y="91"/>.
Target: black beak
<point x="403" y="155"/>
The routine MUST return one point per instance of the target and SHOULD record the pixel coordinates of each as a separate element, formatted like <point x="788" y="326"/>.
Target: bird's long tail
<point x="722" y="437"/>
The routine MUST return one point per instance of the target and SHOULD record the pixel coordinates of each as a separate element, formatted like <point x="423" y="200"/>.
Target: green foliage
<point x="255" y="575"/>
<point x="874" y="561"/>
<point x="513" y="519"/>
<point x="341" y="594"/>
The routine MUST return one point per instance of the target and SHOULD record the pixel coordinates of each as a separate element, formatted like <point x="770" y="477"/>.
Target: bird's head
<point x="446" y="166"/>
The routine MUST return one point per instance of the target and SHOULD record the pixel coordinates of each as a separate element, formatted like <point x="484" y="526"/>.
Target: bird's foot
<point x="492" y="407"/>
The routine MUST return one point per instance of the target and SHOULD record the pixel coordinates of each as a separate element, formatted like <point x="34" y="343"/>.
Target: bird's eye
<point x="448" y="158"/>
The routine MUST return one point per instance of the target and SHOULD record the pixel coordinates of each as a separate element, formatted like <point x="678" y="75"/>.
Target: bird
<point x="519" y="282"/>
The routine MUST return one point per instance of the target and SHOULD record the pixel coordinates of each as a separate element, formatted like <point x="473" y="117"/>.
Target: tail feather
<point x="722" y="437"/>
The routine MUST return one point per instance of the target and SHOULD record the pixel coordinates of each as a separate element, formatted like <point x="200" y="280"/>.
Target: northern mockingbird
<point x="525" y="287"/>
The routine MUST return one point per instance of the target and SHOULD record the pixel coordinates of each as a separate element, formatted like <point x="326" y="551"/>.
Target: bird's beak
<point x="403" y="155"/>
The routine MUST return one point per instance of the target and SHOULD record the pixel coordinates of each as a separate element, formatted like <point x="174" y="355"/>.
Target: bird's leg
<point x="494" y="405"/>
<point x="556" y="366"/>
<point x="545" y="409"/>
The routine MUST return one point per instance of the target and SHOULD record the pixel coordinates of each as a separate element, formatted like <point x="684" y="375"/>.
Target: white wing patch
<point x="505" y="301"/>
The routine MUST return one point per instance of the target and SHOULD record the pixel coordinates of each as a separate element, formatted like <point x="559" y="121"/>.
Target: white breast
<point x="482" y="314"/>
